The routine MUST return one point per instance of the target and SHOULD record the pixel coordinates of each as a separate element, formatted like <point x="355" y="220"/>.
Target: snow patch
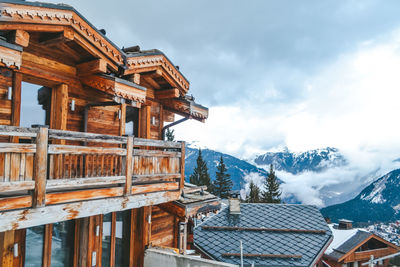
<point x="376" y="194"/>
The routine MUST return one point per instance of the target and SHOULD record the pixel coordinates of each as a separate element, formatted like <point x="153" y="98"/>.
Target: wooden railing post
<point x="40" y="168"/>
<point x="183" y="147"/>
<point x="129" y="166"/>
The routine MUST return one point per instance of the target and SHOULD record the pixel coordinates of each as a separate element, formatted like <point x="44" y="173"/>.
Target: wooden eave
<point x="10" y="55"/>
<point x="186" y="108"/>
<point x="365" y="241"/>
<point x="116" y="86"/>
<point x="34" y="16"/>
<point x="159" y="63"/>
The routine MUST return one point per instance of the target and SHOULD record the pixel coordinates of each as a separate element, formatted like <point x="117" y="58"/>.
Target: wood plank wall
<point x="5" y="104"/>
<point x="163" y="228"/>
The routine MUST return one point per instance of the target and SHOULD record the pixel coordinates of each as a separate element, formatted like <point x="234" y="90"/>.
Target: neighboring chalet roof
<point x="195" y="200"/>
<point x="346" y="241"/>
<point x="272" y="235"/>
<point x="62" y="29"/>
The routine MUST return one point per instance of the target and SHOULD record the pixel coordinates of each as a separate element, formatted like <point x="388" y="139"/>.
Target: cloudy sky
<point x="302" y="74"/>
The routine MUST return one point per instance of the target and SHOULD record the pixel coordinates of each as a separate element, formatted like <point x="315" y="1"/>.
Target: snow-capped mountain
<point x="237" y="168"/>
<point x="378" y="202"/>
<point x="313" y="160"/>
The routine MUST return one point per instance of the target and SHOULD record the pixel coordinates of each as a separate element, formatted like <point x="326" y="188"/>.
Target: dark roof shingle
<point x="272" y="216"/>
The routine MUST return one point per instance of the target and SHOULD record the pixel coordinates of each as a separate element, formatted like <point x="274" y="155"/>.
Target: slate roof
<point x="273" y="216"/>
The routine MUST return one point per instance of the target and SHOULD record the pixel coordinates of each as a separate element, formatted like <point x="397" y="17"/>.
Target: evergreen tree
<point x="254" y="195"/>
<point x="200" y="174"/>
<point x="170" y="135"/>
<point x="272" y="193"/>
<point x="223" y="183"/>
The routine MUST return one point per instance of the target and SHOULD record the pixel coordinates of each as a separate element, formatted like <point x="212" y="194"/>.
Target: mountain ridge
<point x="378" y="202"/>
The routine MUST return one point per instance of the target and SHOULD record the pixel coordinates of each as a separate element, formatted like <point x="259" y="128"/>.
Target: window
<point x="106" y="240"/>
<point x="132" y="121"/>
<point x="34" y="246"/>
<point x="62" y="246"/>
<point x="35" y="105"/>
<point x="122" y="235"/>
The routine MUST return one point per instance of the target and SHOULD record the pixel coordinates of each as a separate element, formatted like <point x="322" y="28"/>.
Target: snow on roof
<point x="340" y="236"/>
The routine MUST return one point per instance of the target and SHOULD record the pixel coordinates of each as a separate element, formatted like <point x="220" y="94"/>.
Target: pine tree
<point x="223" y="183"/>
<point x="254" y="195"/>
<point x="272" y="193"/>
<point x="200" y="175"/>
<point x="170" y="135"/>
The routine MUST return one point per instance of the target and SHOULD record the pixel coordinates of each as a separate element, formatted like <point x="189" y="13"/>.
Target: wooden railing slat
<point x="84" y="182"/>
<point x="17" y="148"/>
<point x="76" y="150"/>
<point x="16" y="186"/>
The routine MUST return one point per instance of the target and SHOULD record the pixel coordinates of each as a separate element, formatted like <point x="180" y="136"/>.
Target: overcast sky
<point x="302" y="74"/>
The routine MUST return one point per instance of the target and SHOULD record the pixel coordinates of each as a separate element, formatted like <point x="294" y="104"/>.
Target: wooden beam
<point x="65" y="197"/>
<point x="168" y="93"/>
<point x="20" y="37"/>
<point x="12" y="203"/>
<point x="136" y="78"/>
<point x="96" y="66"/>
<point x="151" y="81"/>
<point x="168" y="116"/>
<point x="57" y="38"/>
<point x="173" y="209"/>
<point x="25" y="218"/>
<point x="40" y="168"/>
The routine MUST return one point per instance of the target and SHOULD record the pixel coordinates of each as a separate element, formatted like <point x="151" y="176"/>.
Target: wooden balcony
<point x="56" y="175"/>
<point x="377" y="253"/>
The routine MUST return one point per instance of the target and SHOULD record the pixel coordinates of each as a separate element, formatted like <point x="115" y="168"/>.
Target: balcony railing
<point x="366" y="255"/>
<point x="53" y="166"/>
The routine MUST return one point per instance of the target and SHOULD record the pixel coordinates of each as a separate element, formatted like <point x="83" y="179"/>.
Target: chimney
<point x="234" y="206"/>
<point x="345" y="224"/>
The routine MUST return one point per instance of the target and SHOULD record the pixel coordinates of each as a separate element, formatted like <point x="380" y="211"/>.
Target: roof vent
<point x="102" y="31"/>
<point x="234" y="206"/>
<point x="345" y="224"/>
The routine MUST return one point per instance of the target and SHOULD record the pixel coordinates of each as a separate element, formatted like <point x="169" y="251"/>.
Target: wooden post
<point x="122" y="120"/>
<point x="113" y="232"/>
<point x="183" y="147"/>
<point x="40" y="168"/>
<point x="48" y="234"/>
<point x="6" y="249"/>
<point x="144" y="121"/>
<point x="129" y="166"/>
<point x="16" y="102"/>
<point x="141" y="233"/>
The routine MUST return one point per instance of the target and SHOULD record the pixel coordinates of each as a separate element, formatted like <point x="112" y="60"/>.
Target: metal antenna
<point x="241" y="254"/>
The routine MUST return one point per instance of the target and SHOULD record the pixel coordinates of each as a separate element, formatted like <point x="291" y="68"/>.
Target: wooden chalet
<point x="351" y="247"/>
<point x="85" y="179"/>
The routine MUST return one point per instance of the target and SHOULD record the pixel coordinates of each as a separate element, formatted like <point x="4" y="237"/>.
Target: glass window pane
<point x="62" y="246"/>
<point x="34" y="246"/>
<point x="35" y="104"/>
<point x="106" y="241"/>
<point x="122" y="239"/>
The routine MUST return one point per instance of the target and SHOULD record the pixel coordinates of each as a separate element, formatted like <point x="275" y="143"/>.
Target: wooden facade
<point x="81" y="186"/>
<point x="361" y="253"/>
